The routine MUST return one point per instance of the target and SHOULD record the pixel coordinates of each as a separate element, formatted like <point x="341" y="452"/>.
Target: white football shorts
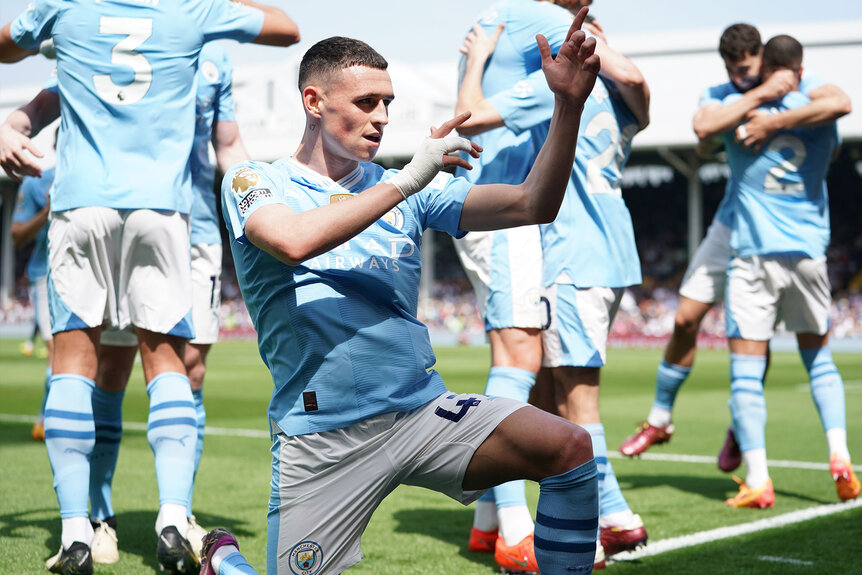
<point x="325" y="486"/>
<point x="581" y="320"/>
<point x="39" y="297"/>
<point x="706" y="274"/>
<point x="505" y="268"/>
<point x="206" y="292"/>
<point x="763" y="291"/>
<point x="116" y="268"/>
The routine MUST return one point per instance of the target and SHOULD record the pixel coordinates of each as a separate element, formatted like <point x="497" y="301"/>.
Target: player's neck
<point x="311" y="153"/>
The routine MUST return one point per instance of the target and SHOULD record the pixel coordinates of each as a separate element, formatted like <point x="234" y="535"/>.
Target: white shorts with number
<point x="325" y="486"/>
<point x="39" y="297"/>
<point x="761" y="292"/>
<point x="116" y="268"/>
<point x="581" y="320"/>
<point x="505" y="268"/>
<point x="706" y="274"/>
<point x="206" y="291"/>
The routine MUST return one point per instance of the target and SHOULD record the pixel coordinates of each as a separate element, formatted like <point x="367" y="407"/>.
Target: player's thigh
<point x="438" y="441"/>
<point x="580" y="324"/>
<point x="515" y="285"/>
<point x="155" y="276"/>
<point x="807" y="300"/>
<point x="83" y="257"/>
<point x="754" y="291"/>
<point x="706" y="275"/>
<point x="206" y="292"/>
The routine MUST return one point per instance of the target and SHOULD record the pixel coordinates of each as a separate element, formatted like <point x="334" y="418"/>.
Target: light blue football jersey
<point x="31" y="201"/>
<point x="509" y="151"/>
<point x="717" y="95"/>
<point x="591" y="243"/>
<point x="780" y="201"/>
<point x="126" y="70"/>
<point x="214" y="103"/>
<point x="339" y="332"/>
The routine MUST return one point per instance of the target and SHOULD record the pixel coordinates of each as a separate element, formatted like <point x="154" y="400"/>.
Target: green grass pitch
<point x="417" y="531"/>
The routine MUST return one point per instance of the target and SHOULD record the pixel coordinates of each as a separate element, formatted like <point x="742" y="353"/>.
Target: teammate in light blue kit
<point x="330" y="275"/>
<point x="118" y="238"/>
<point x="29" y="224"/>
<point x="780" y="231"/>
<point x="215" y="122"/>
<point x="703" y="285"/>
<point x="505" y="266"/>
<point x="527" y="106"/>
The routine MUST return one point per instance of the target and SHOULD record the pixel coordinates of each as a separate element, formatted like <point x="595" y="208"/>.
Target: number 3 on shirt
<point x="136" y="30"/>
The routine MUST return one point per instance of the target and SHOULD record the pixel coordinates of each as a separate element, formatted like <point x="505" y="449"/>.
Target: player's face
<point x="354" y="111"/>
<point x="744" y="73"/>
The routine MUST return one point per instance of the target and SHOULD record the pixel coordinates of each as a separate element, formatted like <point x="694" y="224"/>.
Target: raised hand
<point x="478" y="45"/>
<point x="572" y="74"/>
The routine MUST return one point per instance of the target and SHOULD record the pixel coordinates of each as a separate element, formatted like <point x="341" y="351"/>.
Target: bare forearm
<point x="471" y="99"/>
<point x="295" y="237"/>
<point x="629" y="82"/>
<point x="228" y="145"/>
<point x="819" y="111"/>
<point x="716" y="119"/>
<point x="278" y="28"/>
<point x="11" y="52"/>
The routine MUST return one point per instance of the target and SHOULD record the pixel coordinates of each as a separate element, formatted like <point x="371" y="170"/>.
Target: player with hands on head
<point x="327" y="256"/>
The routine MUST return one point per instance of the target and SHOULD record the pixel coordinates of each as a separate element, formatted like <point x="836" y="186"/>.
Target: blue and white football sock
<point x="747" y="405"/>
<point x="172" y="434"/>
<point x="827" y="390"/>
<point x="748" y="413"/>
<point x="611" y="498"/>
<point x="69" y="438"/>
<point x="201" y="418"/>
<point x="228" y="560"/>
<point x="513" y="515"/>
<point x="108" y="418"/>
<point x="485" y="514"/>
<point x="567" y="521"/>
<point x="669" y="378"/>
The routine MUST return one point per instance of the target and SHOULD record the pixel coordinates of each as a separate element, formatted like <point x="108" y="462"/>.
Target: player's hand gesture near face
<point x="572" y="74"/>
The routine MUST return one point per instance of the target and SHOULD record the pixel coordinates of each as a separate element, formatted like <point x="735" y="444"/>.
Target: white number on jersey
<point x="612" y="154"/>
<point x="136" y="30"/>
<point x="773" y="183"/>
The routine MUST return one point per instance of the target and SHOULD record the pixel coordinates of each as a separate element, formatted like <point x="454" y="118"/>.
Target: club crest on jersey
<point x="394" y="217"/>
<point x="209" y="71"/>
<point x="243" y="179"/>
<point x="306" y="558"/>
<point x="253" y="195"/>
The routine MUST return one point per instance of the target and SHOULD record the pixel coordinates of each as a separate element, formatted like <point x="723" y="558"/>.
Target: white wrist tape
<point x="427" y="163"/>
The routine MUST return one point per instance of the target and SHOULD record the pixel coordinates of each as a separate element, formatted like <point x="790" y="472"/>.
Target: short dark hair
<point x="337" y="53"/>
<point x="738" y="41"/>
<point x="782" y="51"/>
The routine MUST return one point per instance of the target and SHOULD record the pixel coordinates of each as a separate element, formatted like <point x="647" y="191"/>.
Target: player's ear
<point x="311" y="98"/>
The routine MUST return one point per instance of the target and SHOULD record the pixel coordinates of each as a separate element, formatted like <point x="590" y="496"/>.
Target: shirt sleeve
<point x="526" y="104"/>
<point x="810" y="83"/>
<point x="225" y="19"/>
<point x="438" y="206"/>
<point x="225" y="110"/>
<point x="35" y="25"/>
<point x="709" y="96"/>
<point x="246" y="188"/>
<point x="51" y="83"/>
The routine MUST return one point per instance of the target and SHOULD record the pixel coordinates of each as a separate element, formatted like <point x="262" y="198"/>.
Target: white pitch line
<point x="702" y="537"/>
<point x="141" y="426"/>
<point x="264" y="434"/>
<point x="711" y="459"/>
<point x="790" y="560"/>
